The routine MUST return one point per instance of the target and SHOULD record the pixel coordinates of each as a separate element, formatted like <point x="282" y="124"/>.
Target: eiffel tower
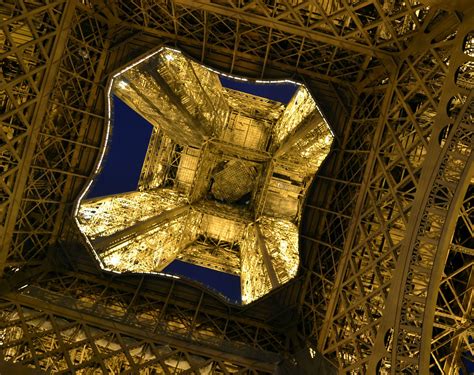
<point x="384" y="281"/>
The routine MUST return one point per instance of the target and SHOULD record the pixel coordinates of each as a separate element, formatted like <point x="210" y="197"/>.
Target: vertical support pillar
<point x="139" y="228"/>
<point x="266" y="257"/>
<point x="308" y="124"/>
<point x="199" y="129"/>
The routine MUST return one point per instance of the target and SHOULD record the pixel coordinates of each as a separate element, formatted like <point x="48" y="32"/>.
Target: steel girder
<point x="382" y="278"/>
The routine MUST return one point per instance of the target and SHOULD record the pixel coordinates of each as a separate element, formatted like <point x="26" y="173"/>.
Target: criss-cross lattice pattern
<point x="385" y="282"/>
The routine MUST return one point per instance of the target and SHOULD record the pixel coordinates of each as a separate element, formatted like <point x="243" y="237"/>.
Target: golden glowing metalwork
<point x="298" y="109"/>
<point x="223" y="179"/>
<point x="281" y="239"/>
<point x="269" y="256"/>
<point x="100" y="217"/>
<point x="254" y="279"/>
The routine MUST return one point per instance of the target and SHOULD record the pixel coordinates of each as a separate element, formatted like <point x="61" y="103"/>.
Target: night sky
<point x="124" y="159"/>
<point x="125" y="153"/>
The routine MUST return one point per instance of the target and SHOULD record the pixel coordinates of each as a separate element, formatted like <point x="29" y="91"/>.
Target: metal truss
<point x="65" y="329"/>
<point x="385" y="283"/>
<point x="52" y="119"/>
<point x="377" y="315"/>
<point x="451" y="348"/>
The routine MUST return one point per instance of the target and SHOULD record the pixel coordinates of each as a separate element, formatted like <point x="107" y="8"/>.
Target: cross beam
<point x="273" y="23"/>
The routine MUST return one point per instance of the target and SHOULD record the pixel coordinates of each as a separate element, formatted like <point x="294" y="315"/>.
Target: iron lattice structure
<point x="223" y="180"/>
<point x="386" y="277"/>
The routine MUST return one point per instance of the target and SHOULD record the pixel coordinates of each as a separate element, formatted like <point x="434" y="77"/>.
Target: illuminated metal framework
<point x="385" y="279"/>
<point x="223" y="181"/>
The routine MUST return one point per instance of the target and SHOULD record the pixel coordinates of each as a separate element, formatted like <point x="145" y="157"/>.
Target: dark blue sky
<point x="124" y="159"/>
<point x="126" y="151"/>
<point x="227" y="284"/>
